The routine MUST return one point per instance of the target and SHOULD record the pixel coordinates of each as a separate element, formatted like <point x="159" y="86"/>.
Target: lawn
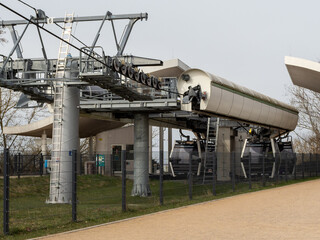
<point x="99" y="201"/>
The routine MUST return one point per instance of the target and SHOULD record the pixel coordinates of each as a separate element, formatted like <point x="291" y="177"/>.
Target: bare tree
<point x="308" y="104"/>
<point x="7" y="113"/>
<point x="12" y="116"/>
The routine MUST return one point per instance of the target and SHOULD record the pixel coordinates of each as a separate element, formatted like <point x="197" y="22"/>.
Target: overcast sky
<point x="242" y="41"/>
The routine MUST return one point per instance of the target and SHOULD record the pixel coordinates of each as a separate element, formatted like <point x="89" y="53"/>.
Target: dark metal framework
<point x="117" y="77"/>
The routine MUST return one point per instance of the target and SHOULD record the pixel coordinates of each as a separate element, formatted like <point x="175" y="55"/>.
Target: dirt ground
<point x="290" y="212"/>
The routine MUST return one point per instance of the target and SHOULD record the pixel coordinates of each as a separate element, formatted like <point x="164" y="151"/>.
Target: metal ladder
<point x="58" y="97"/>
<point x="211" y="146"/>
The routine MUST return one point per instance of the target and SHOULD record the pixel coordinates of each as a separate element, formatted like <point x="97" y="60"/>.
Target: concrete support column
<point x="61" y="164"/>
<point x="141" y="153"/>
<point x="44" y="143"/>
<point x="224" y="149"/>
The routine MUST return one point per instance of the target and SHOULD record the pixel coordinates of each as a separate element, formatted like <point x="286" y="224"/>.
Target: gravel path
<point x="290" y="212"/>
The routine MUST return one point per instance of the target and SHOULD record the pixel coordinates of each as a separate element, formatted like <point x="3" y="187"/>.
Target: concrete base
<point x="141" y="190"/>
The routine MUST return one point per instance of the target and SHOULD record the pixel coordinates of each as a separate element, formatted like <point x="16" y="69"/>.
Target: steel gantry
<point x="92" y="81"/>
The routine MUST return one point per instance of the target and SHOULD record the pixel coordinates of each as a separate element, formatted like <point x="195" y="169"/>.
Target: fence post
<point x="233" y="159"/>
<point x="34" y="162"/>
<point x="310" y="162"/>
<point x="97" y="164"/>
<point x="6" y="192"/>
<point x="250" y="186"/>
<point x="15" y="164"/>
<point x="80" y="162"/>
<point x="317" y="159"/>
<point x="214" y="174"/>
<point x="161" y="177"/>
<point x="263" y="171"/>
<point x="190" y="176"/>
<point x="286" y="166"/>
<point x="277" y="161"/>
<point x="74" y="185"/>
<point x="111" y="165"/>
<point x="295" y="166"/>
<point x="41" y="164"/>
<point x="19" y="164"/>
<point x="302" y="158"/>
<point x="123" y="178"/>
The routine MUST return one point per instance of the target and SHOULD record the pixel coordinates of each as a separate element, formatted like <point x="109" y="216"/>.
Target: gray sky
<point x="242" y="41"/>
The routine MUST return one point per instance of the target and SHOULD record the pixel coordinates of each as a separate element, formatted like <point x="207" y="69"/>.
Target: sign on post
<point x="100" y="160"/>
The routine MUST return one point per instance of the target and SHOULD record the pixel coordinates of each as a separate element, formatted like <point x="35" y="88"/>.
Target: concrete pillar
<point x="61" y="164"/>
<point x="238" y="145"/>
<point x="141" y="153"/>
<point x="223" y="154"/>
<point x="150" y="149"/>
<point x="44" y="143"/>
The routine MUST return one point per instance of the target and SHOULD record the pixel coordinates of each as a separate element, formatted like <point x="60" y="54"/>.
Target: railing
<point x="102" y="197"/>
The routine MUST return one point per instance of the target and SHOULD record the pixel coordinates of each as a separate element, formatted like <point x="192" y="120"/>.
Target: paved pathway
<point x="291" y="212"/>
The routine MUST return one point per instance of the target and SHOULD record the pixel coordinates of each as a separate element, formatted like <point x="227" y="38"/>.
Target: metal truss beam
<point x="139" y="16"/>
<point x="126" y="106"/>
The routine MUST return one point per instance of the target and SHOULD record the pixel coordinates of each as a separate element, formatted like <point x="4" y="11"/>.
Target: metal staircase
<point x="58" y="104"/>
<point x="210" y="148"/>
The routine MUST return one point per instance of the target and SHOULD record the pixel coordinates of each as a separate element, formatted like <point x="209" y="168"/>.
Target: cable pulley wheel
<point x="136" y="76"/>
<point x="159" y="85"/>
<point x="154" y="82"/>
<point x="143" y="78"/>
<point x="149" y="81"/>
<point x="123" y="69"/>
<point x="116" y="65"/>
<point x="130" y="72"/>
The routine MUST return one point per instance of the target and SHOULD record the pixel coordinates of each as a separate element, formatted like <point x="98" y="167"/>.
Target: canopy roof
<point x="304" y="73"/>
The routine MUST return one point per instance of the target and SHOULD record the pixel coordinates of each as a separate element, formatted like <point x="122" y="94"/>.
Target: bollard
<point x="124" y="176"/>
<point x="74" y="185"/>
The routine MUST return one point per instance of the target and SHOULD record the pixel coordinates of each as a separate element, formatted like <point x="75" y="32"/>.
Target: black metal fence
<point x="97" y="198"/>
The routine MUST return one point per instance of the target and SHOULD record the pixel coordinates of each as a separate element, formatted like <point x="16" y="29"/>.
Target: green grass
<point x="99" y="201"/>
